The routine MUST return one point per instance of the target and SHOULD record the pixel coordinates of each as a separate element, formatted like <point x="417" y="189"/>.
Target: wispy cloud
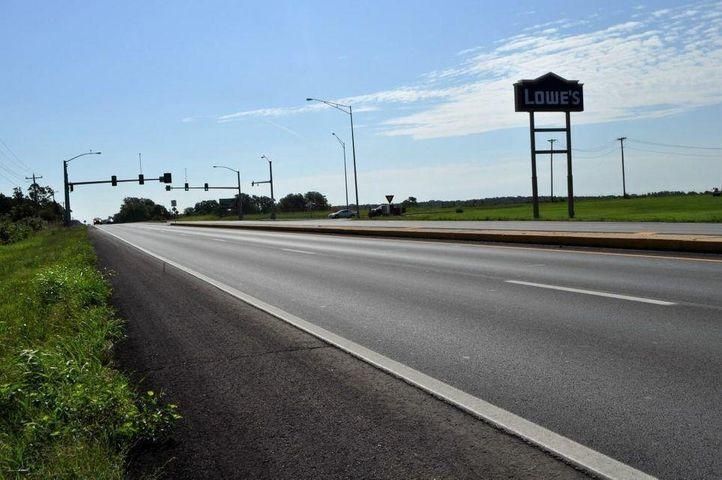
<point x="662" y="63"/>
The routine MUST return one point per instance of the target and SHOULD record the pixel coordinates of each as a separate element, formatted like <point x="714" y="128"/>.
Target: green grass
<point x="673" y="208"/>
<point x="678" y="208"/>
<point x="64" y="411"/>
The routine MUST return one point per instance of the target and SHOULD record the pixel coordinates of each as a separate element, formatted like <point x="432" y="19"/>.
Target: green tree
<point x="410" y="202"/>
<point x="263" y="204"/>
<point x="206" y="207"/>
<point x="293" y="202"/>
<point x="135" y="209"/>
<point x="315" y="201"/>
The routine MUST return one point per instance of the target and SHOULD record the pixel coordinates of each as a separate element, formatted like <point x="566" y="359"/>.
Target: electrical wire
<point x="590" y="157"/>
<point x="11" y="172"/>
<point x="594" y="149"/>
<point x="672" y="153"/>
<point x="672" y="145"/>
<point x="22" y="165"/>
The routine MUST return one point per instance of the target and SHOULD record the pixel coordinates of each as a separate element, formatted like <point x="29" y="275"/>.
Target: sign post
<point x="550" y="93"/>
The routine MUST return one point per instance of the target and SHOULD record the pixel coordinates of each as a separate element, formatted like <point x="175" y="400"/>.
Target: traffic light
<point x="186" y="187"/>
<point x="166" y="178"/>
<point x="114" y="181"/>
<point x="167" y="188"/>
<point x="71" y="186"/>
<point x="141" y="180"/>
<point x="205" y="187"/>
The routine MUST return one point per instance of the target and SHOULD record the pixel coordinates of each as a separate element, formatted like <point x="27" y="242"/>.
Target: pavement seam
<point x="563" y="448"/>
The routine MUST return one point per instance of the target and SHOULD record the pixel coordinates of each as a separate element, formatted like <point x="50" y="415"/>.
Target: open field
<point x="678" y="208"/>
<point x="674" y="208"/>
<point x="64" y="411"/>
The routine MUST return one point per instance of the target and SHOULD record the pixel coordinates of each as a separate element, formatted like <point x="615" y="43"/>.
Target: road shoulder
<point x="262" y="399"/>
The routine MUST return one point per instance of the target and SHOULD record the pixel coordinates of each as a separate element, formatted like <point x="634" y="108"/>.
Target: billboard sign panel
<point x="549" y="93"/>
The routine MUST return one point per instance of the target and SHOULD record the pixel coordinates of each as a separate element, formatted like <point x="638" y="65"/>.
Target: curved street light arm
<point x="338" y="106"/>
<point x="81" y="155"/>
<point x="343" y="144"/>
<point x="227" y="168"/>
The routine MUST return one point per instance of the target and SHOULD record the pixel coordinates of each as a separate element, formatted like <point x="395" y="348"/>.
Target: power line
<point x="594" y="149"/>
<point x="696" y="155"/>
<point x="672" y="145"/>
<point x="609" y="151"/>
<point x="19" y="162"/>
<point x="11" y="172"/>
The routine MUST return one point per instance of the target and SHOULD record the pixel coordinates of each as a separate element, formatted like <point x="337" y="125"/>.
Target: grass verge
<point x="672" y="208"/>
<point x="64" y="411"/>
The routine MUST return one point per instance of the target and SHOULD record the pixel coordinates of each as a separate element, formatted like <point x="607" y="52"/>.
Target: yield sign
<point x="389" y="198"/>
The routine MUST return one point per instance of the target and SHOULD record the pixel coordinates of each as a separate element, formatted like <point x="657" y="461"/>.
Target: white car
<point x="342" y="214"/>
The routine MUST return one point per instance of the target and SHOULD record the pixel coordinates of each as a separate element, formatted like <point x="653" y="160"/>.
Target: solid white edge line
<point x="568" y="450"/>
<point x="297" y="251"/>
<point x="593" y="292"/>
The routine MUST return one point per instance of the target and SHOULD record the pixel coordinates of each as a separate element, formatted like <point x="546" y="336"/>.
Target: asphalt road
<point x="550" y="226"/>
<point x="261" y="399"/>
<point x="619" y="352"/>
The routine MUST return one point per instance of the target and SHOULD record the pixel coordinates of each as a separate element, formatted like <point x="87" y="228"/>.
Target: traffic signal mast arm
<point x="204" y="187"/>
<point x="165" y="178"/>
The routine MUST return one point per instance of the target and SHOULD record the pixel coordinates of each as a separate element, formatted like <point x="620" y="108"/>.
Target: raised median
<point x="694" y="243"/>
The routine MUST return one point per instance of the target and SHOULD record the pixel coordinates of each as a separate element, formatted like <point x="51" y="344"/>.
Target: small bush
<point x="459" y="210"/>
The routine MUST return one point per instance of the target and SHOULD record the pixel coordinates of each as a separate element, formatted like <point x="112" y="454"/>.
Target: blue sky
<point x="192" y="84"/>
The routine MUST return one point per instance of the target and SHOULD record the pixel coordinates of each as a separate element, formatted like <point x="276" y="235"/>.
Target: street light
<point x="66" y="214"/>
<point x="551" y="163"/>
<point x="348" y="110"/>
<point x="240" y="199"/>
<point x="345" y="176"/>
<point x="270" y="180"/>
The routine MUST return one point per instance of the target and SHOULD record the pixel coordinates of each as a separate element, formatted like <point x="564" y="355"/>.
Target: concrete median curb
<point x="636" y="241"/>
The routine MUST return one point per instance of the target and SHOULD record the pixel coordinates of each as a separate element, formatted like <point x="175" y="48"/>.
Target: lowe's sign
<point x="549" y="93"/>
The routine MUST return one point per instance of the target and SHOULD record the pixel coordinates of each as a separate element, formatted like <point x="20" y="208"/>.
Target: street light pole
<point x="66" y="213"/>
<point x="345" y="175"/>
<point x="240" y="199"/>
<point x="270" y="180"/>
<point x="551" y="164"/>
<point x="348" y="110"/>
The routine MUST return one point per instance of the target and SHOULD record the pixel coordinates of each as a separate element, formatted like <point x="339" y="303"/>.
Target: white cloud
<point x="665" y="62"/>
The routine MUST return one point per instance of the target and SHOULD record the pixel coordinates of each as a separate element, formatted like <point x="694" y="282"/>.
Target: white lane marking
<point x="575" y="453"/>
<point x="219" y="240"/>
<point x="593" y="292"/>
<point x="297" y="251"/>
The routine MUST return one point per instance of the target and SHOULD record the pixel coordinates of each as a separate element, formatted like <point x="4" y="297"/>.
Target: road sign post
<point x="550" y="93"/>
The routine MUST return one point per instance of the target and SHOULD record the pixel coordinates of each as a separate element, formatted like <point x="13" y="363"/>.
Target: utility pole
<point x="551" y="164"/>
<point x="624" y="181"/>
<point x="35" y="191"/>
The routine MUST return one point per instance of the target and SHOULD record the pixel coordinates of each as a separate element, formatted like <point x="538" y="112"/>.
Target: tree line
<point x="20" y="213"/>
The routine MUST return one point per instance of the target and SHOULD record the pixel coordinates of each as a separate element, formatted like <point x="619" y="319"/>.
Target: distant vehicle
<point x="97" y="221"/>
<point x="342" y="214"/>
<point x="376" y="211"/>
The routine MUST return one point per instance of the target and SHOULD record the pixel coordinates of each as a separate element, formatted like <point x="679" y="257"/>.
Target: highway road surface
<point x="621" y="352"/>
